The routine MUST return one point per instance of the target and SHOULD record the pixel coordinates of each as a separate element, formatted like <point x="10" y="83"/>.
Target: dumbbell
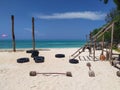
<point x="91" y="73"/>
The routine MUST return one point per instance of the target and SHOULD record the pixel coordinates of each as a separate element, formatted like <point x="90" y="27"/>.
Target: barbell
<point x="34" y="73"/>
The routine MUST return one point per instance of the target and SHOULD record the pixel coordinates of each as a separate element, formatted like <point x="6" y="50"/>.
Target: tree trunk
<point x="33" y="34"/>
<point x="13" y="35"/>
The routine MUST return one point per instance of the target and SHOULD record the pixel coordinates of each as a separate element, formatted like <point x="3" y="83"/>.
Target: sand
<point x="15" y="76"/>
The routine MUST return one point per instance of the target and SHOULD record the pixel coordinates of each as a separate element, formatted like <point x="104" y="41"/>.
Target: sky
<point x="54" y="19"/>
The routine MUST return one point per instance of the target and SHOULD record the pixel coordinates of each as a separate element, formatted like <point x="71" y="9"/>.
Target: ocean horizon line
<point x="7" y="44"/>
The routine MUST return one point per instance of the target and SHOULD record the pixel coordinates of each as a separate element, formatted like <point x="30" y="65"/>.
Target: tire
<point x="115" y="62"/>
<point x="73" y="61"/>
<point x="30" y="51"/>
<point x="59" y="55"/>
<point x="22" y="60"/>
<point x="34" y="54"/>
<point x="118" y="73"/>
<point x="39" y="59"/>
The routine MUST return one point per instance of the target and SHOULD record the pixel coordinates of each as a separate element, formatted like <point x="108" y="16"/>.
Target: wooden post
<point x="13" y="35"/>
<point x="94" y="50"/>
<point x="111" y="41"/>
<point x="33" y="34"/>
<point x="90" y="36"/>
<point x="102" y="57"/>
<point x="102" y="44"/>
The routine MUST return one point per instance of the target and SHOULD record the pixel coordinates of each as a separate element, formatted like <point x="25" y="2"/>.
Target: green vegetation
<point x="117" y="2"/>
<point x="118" y="50"/>
<point x="112" y="16"/>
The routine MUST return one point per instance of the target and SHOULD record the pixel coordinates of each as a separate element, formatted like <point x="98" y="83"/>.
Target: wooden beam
<point x="88" y="57"/>
<point x="76" y="51"/>
<point x="33" y="34"/>
<point x="102" y="32"/>
<point x="13" y="35"/>
<point x="79" y="58"/>
<point x="102" y="45"/>
<point x="94" y="50"/>
<point x="84" y="58"/>
<point x="111" y="41"/>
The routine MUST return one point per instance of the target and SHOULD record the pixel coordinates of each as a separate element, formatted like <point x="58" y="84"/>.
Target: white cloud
<point x="4" y="35"/>
<point x="30" y="30"/>
<point x="36" y="31"/>
<point x="74" y="15"/>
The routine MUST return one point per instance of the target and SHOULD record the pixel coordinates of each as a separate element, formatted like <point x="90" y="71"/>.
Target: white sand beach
<point x="15" y="76"/>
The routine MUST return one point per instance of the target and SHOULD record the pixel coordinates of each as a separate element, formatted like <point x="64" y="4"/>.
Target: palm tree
<point x="117" y="2"/>
<point x="33" y="34"/>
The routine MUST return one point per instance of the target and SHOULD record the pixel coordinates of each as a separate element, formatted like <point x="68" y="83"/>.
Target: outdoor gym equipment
<point x="34" y="73"/>
<point x="91" y="73"/>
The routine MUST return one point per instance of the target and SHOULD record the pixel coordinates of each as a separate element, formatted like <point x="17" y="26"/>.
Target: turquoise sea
<point x="7" y="44"/>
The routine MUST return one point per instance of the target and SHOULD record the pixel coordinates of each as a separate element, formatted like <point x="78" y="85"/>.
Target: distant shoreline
<point x="39" y="49"/>
<point x="26" y="44"/>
